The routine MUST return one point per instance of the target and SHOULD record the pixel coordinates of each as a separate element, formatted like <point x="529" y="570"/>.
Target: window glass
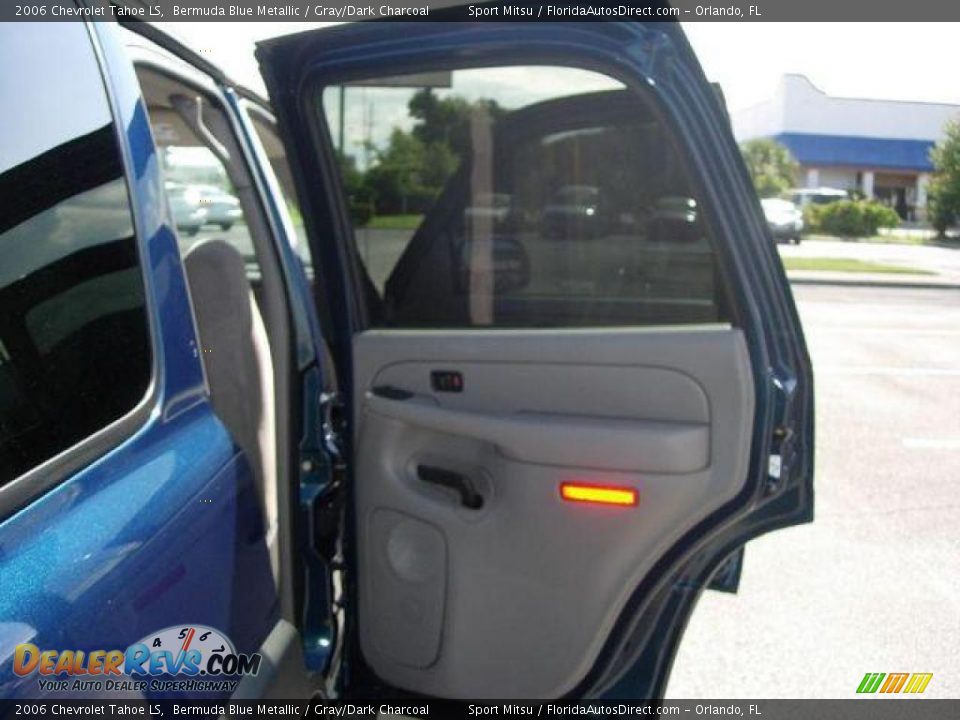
<point x="74" y="347"/>
<point x="197" y="151"/>
<point x="202" y="198"/>
<point x="519" y="196"/>
<point x="266" y="130"/>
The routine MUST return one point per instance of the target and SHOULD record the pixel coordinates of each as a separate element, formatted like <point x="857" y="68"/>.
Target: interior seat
<point x="236" y="355"/>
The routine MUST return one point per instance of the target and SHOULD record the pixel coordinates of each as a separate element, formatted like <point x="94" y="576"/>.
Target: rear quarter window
<point x="74" y="342"/>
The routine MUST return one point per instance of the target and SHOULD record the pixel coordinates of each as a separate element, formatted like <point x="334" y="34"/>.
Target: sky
<point x="372" y="113"/>
<point x="897" y="61"/>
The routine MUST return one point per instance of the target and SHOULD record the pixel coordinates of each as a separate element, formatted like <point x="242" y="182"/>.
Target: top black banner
<point x="453" y="10"/>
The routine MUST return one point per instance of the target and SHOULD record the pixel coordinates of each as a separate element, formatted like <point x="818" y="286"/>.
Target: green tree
<point x="395" y="179"/>
<point x="439" y="163"/>
<point x="771" y="166"/>
<point x="358" y="194"/>
<point x="408" y="174"/>
<point x="352" y="177"/>
<point x="943" y="199"/>
<point x="446" y="121"/>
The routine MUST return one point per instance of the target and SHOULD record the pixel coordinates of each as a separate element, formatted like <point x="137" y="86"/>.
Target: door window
<point x="74" y="348"/>
<point x="519" y="197"/>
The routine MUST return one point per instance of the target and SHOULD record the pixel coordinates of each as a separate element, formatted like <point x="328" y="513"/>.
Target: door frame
<point x="291" y="668"/>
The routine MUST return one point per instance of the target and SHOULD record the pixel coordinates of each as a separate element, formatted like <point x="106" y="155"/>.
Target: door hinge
<point x="332" y="427"/>
<point x="321" y="494"/>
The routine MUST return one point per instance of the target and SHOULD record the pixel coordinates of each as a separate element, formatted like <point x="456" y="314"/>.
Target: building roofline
<point x="867" y="99"/>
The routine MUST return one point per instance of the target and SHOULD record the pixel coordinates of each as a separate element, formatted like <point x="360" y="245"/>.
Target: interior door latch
<point x="782" y="451"/>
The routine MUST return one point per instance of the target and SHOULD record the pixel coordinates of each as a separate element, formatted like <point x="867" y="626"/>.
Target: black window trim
<point x="24" y="489"/>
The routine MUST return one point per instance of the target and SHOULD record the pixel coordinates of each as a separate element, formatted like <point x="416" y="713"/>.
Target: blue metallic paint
<point x="129" y="545"/>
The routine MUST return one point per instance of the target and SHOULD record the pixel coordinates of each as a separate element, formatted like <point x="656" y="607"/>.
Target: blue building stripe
<point x="850" y="151"/>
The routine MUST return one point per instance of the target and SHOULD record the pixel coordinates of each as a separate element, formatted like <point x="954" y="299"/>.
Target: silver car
<point x="188" y="213"/>
<point x="223" y="209"/>
<point x="784" y="219"/>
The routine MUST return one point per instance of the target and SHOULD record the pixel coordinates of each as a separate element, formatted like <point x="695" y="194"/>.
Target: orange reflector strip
<point x="599" y="494"/>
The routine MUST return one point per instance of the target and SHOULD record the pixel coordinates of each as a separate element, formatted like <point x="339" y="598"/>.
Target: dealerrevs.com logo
<point x="192" y="658"/>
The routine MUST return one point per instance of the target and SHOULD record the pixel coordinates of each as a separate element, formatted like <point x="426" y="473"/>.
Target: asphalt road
<point x="874" y="583"/>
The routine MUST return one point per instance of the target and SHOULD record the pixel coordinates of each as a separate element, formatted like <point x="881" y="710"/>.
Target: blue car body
<point x="164" y="527"/>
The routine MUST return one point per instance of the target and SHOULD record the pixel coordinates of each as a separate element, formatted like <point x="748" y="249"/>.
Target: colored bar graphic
<point x="894" y="682"/>
<point x="870" y="682"/>
<point x="914" y="683"/>
<point x="918" y="682"/>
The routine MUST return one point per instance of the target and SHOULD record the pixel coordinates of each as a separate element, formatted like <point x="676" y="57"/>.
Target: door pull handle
<point x="469" y="496"/>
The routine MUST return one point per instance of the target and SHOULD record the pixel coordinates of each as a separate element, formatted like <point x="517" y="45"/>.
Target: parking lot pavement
<point x="874" y="583"/>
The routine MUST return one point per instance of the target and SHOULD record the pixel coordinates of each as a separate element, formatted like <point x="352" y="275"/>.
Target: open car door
<point x="576" y="379"/>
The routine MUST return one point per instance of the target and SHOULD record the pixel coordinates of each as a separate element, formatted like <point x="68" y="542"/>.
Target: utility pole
<point x="343" y="97"/>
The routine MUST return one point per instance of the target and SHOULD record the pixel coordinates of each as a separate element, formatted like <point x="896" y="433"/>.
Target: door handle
<point x="469" y="496"/>
<point x="391" y="393"/>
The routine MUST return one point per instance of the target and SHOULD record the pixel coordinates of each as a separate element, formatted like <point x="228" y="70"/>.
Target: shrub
<point x="879" y="216"/>
<point x="361" y="212"/>
<point x="811" y="217"/>
<point x="850" y="218"/>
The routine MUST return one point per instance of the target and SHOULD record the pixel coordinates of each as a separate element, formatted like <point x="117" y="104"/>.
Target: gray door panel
<point x="551" y="438"/>
<point x="515" y="598"/>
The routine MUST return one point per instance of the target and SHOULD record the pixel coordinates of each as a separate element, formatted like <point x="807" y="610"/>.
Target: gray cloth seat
<point x="236" y="356"/>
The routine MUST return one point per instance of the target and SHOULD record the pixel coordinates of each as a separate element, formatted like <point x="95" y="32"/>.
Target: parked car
<point x="189" y="214"/>
<point x="574" y="211"/>
<point x="784" y="219"/>
<point x="223" y="209"/>
<point x="816" y="196"/>
<point x="492" y="206"/>
<point x="674" y="219"/>
<point x="457" y="487"/>
<point x="194" y="206"/>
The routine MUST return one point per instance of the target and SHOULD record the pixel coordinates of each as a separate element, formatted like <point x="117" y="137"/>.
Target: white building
<point x="880" y="147"/>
